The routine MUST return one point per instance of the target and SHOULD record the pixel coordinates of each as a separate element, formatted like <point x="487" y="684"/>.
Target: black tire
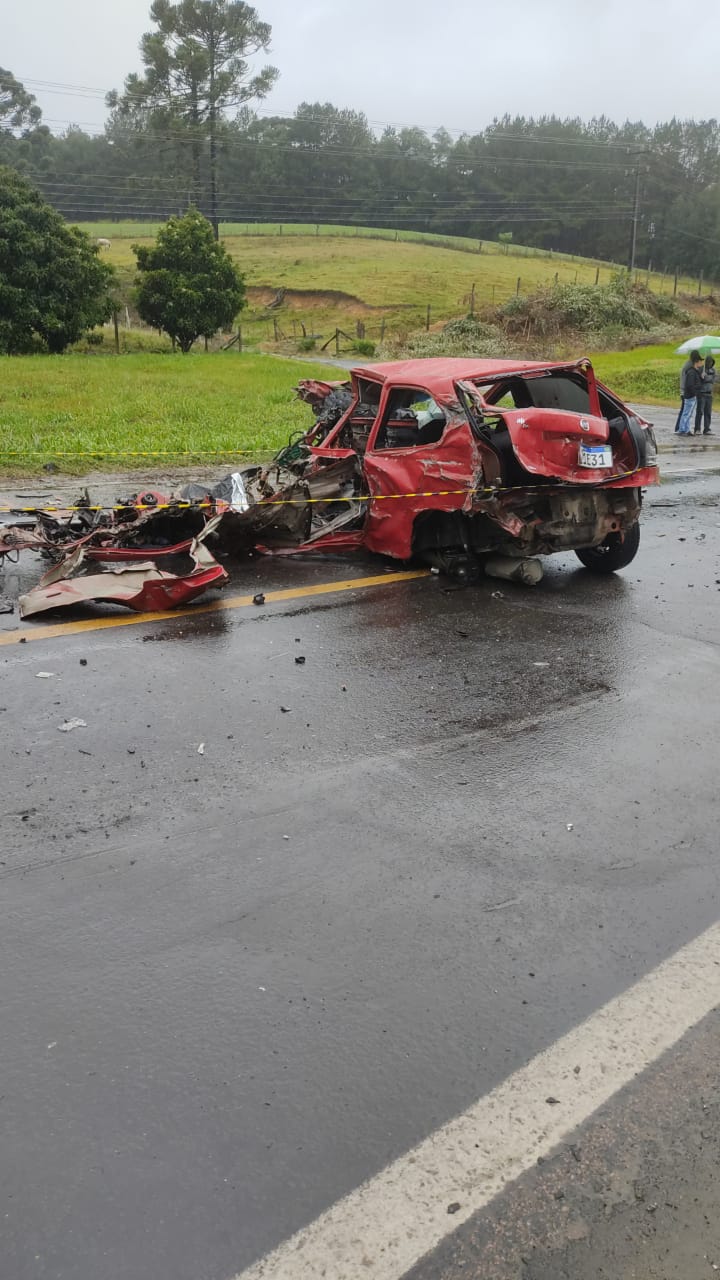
<point x="613" y="554"/>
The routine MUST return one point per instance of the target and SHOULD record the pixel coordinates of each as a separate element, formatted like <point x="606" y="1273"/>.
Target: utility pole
<point x="636" y="210"/>
<point x="212" y="116"/>
<point x="635" y="216"/>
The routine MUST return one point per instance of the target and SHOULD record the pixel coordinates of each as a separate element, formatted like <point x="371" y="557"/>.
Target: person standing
<point x="703" y="412"/>
<point x="694" y="355"/>
<point x="693" y="388"/>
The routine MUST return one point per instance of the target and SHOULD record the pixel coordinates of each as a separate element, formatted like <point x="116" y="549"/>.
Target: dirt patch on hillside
<point x="321" y="299"/>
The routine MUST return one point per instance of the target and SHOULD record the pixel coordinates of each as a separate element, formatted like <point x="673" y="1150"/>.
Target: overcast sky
<point x="428" y="62"/>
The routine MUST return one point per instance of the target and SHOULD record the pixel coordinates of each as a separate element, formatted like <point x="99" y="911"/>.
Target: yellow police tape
<point x="294" y="502"/>
<point x="114" y="455"/>
<point x="264" y="502"/>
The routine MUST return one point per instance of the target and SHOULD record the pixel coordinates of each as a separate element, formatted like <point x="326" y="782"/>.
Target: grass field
<point x="88" y="412"/>
<point x="338" y="277"/>
<point x="81" y="412"/>
<point x="649" y="375"/>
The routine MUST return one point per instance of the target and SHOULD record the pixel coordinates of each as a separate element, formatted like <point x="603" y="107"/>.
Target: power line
<point x="160" y="213"/>
<point x="493" y="131"/>
<point x="376" y="151"/>
<point x="119" y="191"/>
<point x="68" y="192"/>
<point x="692" y="235"/>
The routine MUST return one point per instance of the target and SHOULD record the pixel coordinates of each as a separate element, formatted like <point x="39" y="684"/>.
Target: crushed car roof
<point x="440" y="374"/>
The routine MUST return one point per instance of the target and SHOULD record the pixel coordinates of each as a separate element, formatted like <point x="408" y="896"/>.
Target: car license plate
<point x="595" y="455"/>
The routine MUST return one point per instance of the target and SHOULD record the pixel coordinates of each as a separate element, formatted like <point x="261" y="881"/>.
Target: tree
<point x="188" y="284"/>
<point x="18" y="108"/>
<point x="196" y="69"/>
<point x="52" y="283"/>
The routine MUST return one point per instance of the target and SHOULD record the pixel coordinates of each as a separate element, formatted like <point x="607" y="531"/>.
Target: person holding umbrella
<point x="703" y="412"/>
<point x="693" y="388"/>
<point x="704" y="344"/>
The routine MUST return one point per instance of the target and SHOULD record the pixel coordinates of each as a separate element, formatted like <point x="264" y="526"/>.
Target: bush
<point x="462" y="337"/>
<point x="364" y="347"/>
<point x="306" y="344"/>
<point x="619" y="307"/>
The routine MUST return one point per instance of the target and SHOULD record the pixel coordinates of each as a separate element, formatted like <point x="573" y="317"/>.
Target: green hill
<point x="383" y="280"/>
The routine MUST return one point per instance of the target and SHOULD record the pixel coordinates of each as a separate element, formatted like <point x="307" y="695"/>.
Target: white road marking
<point x="389" y="1223"/>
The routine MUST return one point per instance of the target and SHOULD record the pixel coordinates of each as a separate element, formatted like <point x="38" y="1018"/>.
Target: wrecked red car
<point x="466" y="464"/>
<point x="457" y="461"/>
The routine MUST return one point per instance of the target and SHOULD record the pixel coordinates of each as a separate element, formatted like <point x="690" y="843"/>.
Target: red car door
<point x="421" y="457"/>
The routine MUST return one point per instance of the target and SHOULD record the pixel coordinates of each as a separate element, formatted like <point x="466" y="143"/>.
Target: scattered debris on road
<point x="68" y="725"/>
<point x="100" y="574"/>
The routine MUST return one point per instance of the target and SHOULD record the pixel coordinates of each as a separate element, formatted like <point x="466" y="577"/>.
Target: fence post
<point x="317" y="228"/>
<point x="700" y="281"/>
<point x="557" y="277"/>
<point x="240" y="338"/>
<point x="382" y="329"/>
<point x="480" y="246"/>
<point x="275" y="328"/>
<point x="675" y="285"/>
<point x="472" y="300"/>
<point x="117" y="332"/>
<point x="597" y="275"/>
<point x="337" y="342"/>
<point x="576" y="274"/>
<point x="517" y="288"/>
<point x="207" y="348"/>
<point x="281" y="228"/>
<point x="427" y="318"/>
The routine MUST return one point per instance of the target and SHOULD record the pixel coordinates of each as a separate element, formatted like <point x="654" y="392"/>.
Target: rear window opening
<point x="566" y="391"/>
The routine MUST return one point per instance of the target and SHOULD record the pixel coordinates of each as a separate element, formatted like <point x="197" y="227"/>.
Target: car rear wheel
<point x="613" y="554"/>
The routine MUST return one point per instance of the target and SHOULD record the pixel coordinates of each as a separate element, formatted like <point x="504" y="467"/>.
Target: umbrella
<point x="706" y="344"/>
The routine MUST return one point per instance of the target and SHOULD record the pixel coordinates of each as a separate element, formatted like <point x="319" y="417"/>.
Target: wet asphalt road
<point x="235" y="984"/>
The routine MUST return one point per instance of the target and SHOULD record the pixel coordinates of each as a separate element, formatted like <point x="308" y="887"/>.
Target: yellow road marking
<point x="44" y="632"/>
